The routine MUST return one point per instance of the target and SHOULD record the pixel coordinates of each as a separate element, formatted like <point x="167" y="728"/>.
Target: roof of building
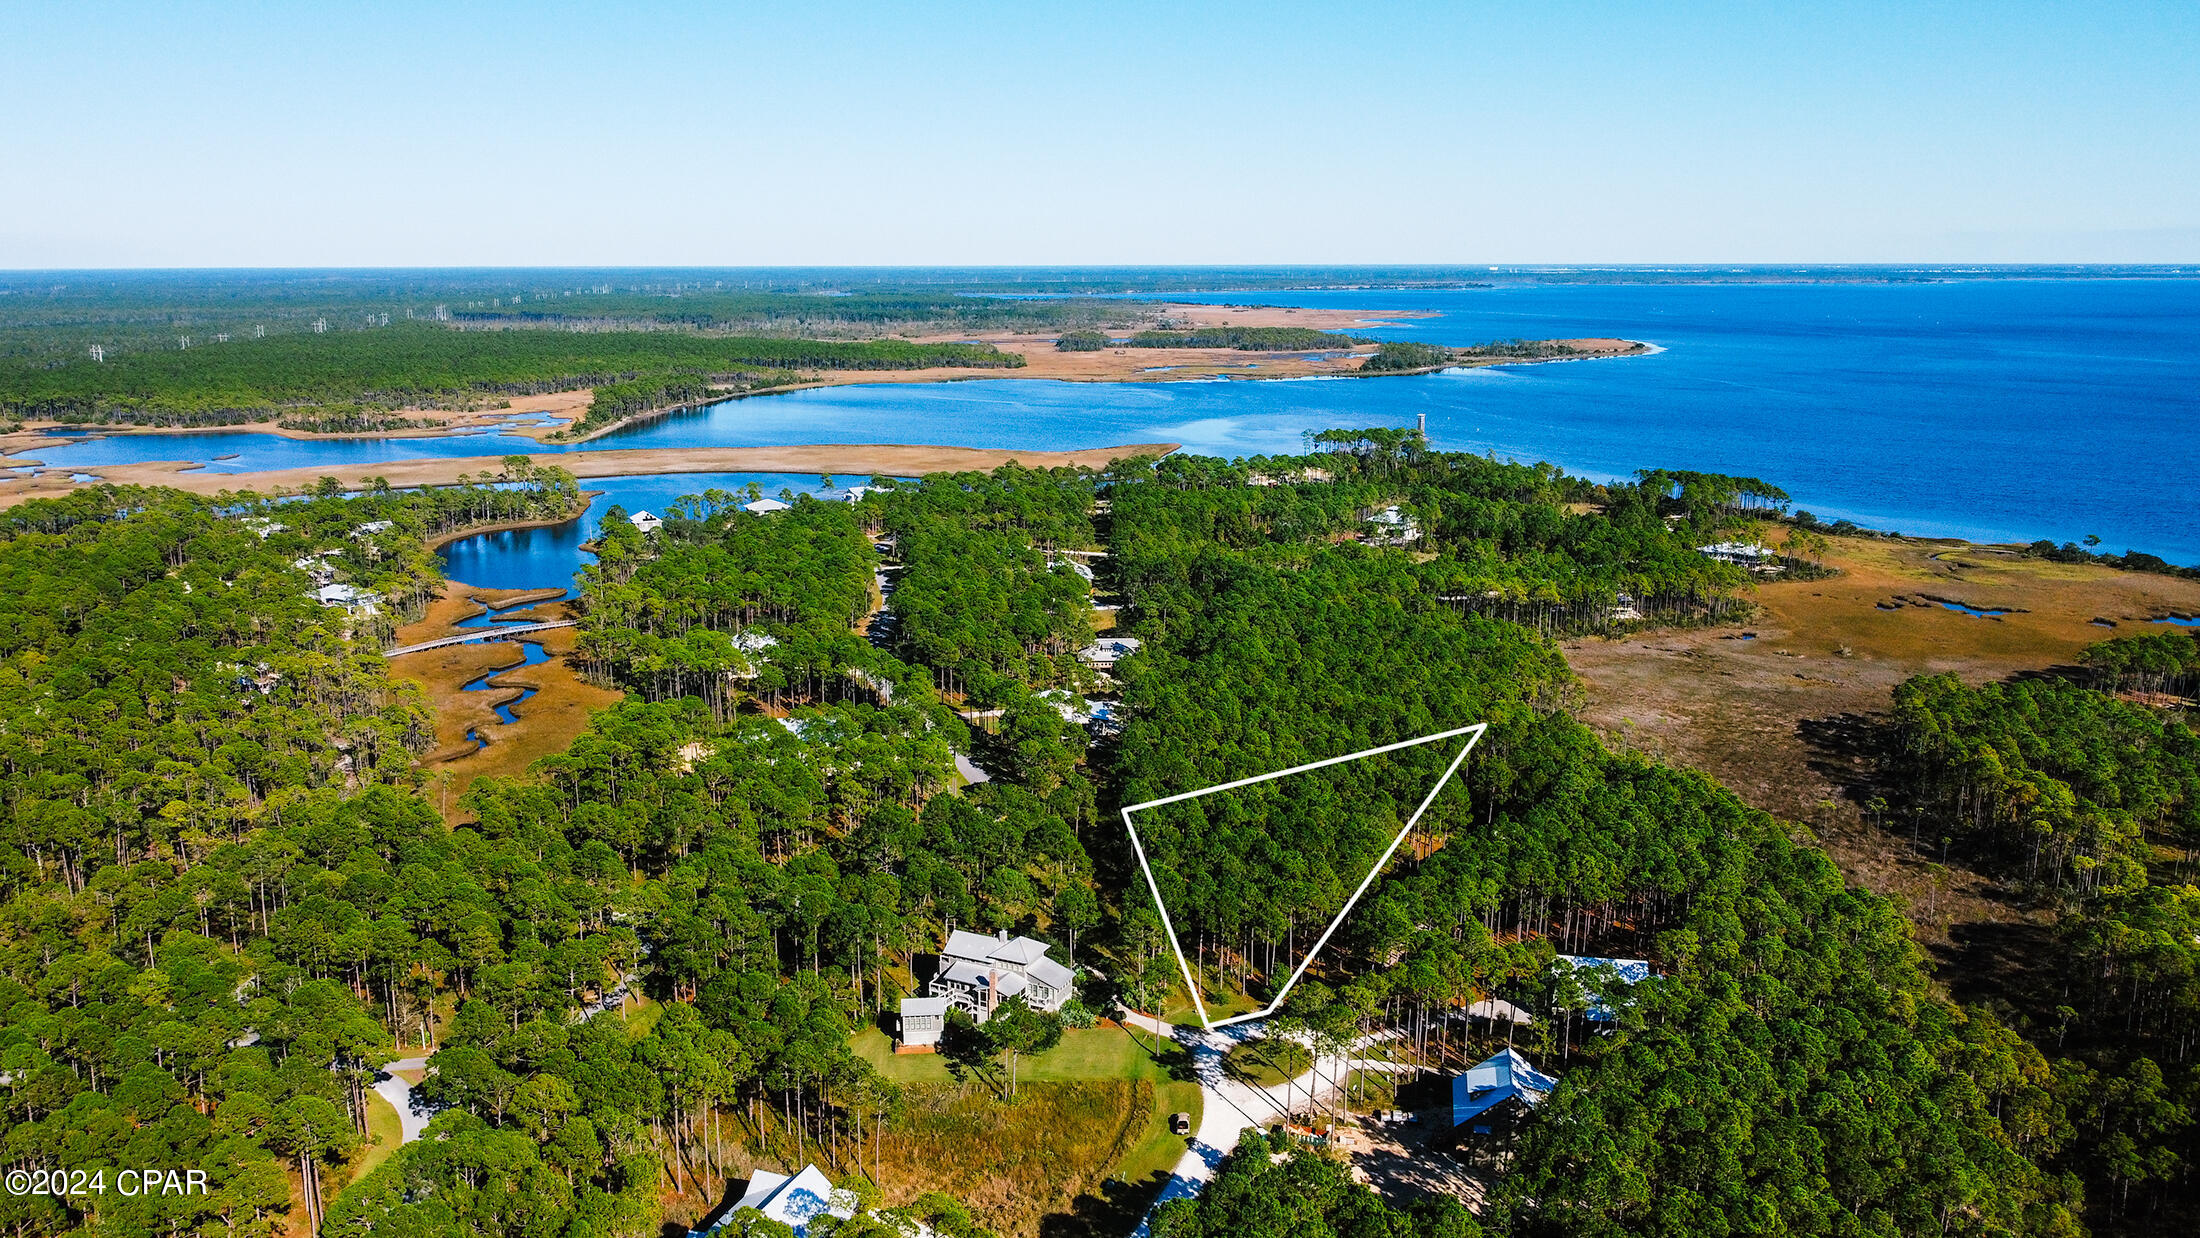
<point x="1108" y="649"/>
<point x="1626" y="971"/>
<point x="1052" y="974"/>
<point x="1391" y="515"/>
<point x="1021" y="950"/>
<point x="644" y="520"/>
<point x="765" y="506"/>
<point x="792" y="1201"/>
<point x="1009" y="984"/>
<point x="1739" y="550"/>
<point x="753" y="641"/>
<point x="966" y="971"/>
<point x="1499" y="1008"/>
<point x="338" y="595"/>
<point x="921" y="1006"/>
<point x="1633" y="971"/>
<point x="1494" y="1080"/>
<point x="962" y="945"/>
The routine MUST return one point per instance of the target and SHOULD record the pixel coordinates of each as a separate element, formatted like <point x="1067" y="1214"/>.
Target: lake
<point x="1999" y="410"/>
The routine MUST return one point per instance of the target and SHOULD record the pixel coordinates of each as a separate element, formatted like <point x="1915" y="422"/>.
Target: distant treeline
<point x="1398" y="356"/>
<point x="1248" y="339"/>
<point x="2129" y="561"/>
<point x="357" y="421"/>
<point x="416" y="364"/>
<point x="612" y="402"/>
<point x="793" y="313"/>
<point x="55" y="317"/>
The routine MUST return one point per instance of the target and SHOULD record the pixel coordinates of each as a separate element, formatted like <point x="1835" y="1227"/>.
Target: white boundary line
<point x="1154" y="887"/>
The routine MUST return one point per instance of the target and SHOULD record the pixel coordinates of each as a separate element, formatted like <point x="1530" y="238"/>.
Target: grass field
<point x="383" y="1135"/>
<point x="1082" y="1147"/>
<point x="1049" y="1153"/>
<point x="642" y="1014"/>
<point x="1221" y="1004"/>
<point x="1088" y="1053"/>
<point x="1268" y="1061"/>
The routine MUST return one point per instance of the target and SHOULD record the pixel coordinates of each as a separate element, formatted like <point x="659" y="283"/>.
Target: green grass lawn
<point x="641" y="1015"/>
<point x="1221" y="1004"/>
<point x="383" y="1133"/>
<point x="1085" y="1053"/>
<point x="1268" y="1061"/>
<point x="1158" y="1149"/>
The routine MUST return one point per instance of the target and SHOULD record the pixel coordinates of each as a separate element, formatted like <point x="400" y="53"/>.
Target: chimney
<point x="992" y="990"/>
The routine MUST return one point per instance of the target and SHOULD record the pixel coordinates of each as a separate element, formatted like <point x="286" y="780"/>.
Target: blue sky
<point x="639" y="133"/>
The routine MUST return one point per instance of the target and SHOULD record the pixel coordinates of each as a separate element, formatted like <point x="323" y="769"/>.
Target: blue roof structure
<point x="1495" y="1080"/>
<point x="1626" y="971"/>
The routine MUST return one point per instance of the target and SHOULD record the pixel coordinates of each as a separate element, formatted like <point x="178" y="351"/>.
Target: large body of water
<point x="1995" y="409"/>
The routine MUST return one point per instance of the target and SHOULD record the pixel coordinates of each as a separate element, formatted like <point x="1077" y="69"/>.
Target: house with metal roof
<point x="645" y="521"/>
<point x="349" y="598"/>
<point x="1108" y="650"/>
<point x="978" y="973"/>
<point x="1600" y="977"/>
<point x="765" y="507"/>
<point x="1495" y="1093"/>
<point x="792" y="1201"/>
<point x="1393" y="527"/>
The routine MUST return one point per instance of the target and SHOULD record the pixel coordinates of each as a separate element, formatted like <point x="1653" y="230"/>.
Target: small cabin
<point x="645" y="521"/>
<point x="923" y="1019"/>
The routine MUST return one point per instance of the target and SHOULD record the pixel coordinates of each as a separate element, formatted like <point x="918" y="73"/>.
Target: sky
<point x="638" y="133"/>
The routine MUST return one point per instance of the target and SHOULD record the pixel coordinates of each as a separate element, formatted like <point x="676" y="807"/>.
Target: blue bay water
<point x="1996" y="410"/>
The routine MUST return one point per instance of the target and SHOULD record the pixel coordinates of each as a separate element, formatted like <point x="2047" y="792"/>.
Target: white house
<point x="1108" y="650"/>
<point x="765" y="507"/>
<point x="264" y="527"/>
<point x="792" y="1201"/>
<point x="372" y="527"/>
<point x="978" y="973"/>
<point x="856" y="494"/>
<point x="315" y="567"/>
<point x="1393" y="527"/>
<point x="1088" y="711"/>
<point x="352" y="600"/>
<point x="645" y="521"/>
<point x="1742" y="554"/>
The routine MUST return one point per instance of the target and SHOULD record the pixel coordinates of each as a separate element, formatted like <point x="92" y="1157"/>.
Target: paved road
<point x="410" y="1120"/>
<point x="1230" y="1105"/>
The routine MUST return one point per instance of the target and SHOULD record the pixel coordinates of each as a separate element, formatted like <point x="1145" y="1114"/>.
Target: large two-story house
<point x="977" y="973"/>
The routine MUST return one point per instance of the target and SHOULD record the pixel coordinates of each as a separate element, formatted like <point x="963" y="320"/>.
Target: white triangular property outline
<point x="1184" y="965"/>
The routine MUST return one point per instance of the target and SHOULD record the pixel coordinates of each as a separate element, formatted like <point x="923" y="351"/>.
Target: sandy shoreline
<point x="862" y="459"/>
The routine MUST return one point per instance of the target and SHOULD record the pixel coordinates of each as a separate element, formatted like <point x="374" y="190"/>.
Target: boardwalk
<point x="501" y="632"/>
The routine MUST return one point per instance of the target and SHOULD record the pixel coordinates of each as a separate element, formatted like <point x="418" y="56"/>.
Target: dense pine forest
<point x="2084" y="799"/>
<point x="1789" y="1070"/>
<point x="420" y="364"/>
<point x="649" y="963"/>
